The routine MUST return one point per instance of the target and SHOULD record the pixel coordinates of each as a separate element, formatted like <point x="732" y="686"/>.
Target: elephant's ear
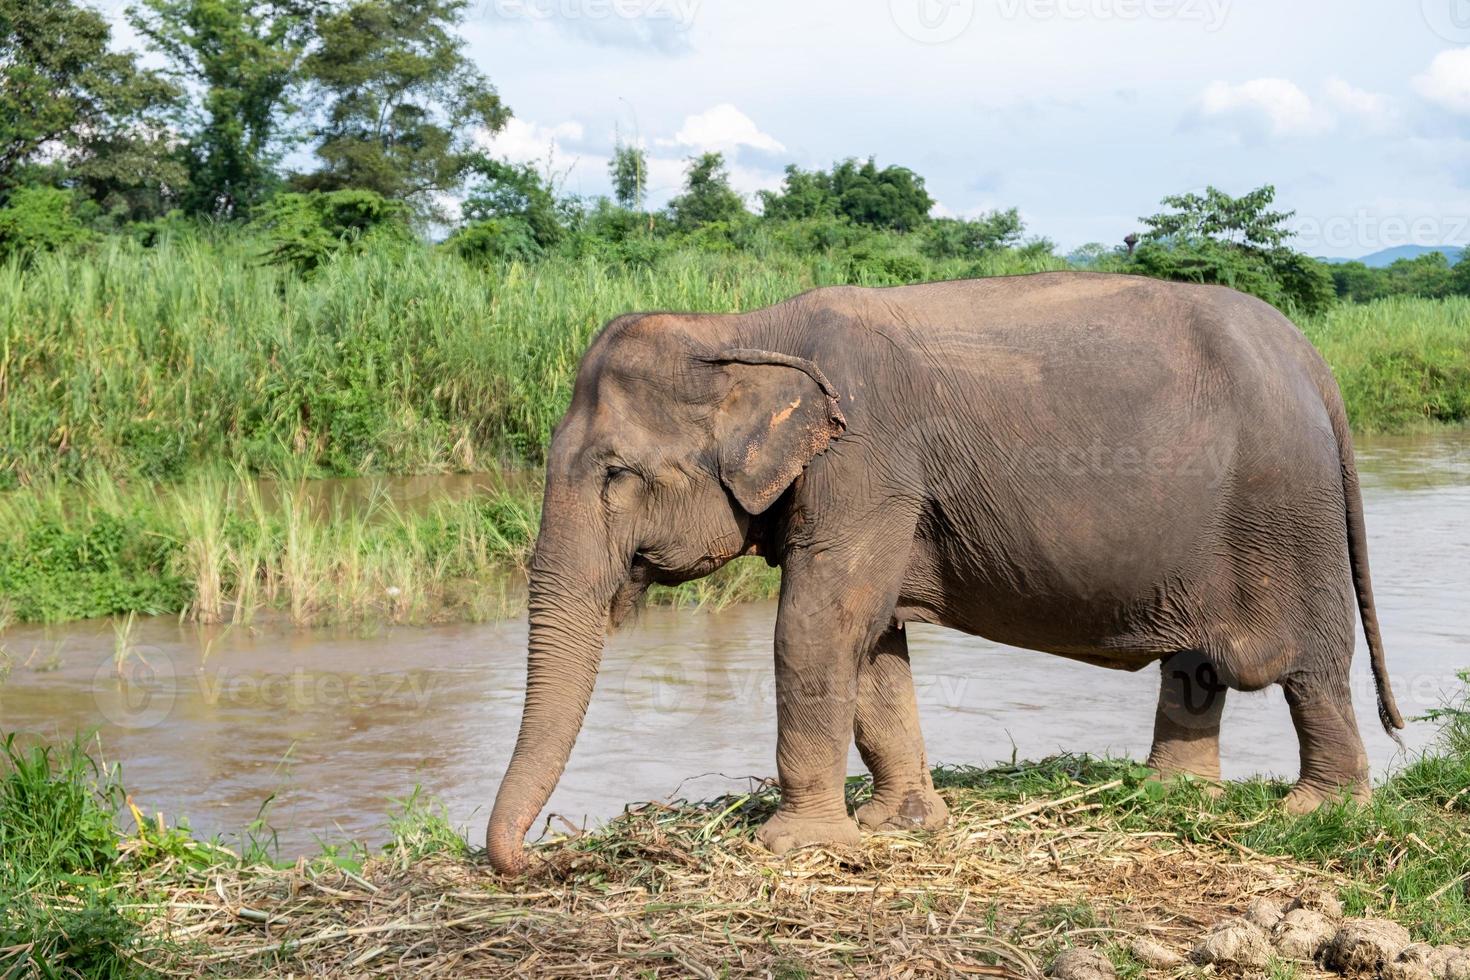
<point x="778" y="413"/>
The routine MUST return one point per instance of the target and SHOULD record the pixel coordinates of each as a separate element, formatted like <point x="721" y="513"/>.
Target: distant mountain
<point x="1389" y="256"/>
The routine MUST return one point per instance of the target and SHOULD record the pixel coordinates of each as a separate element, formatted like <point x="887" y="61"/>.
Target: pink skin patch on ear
<point x="778" y="417"/>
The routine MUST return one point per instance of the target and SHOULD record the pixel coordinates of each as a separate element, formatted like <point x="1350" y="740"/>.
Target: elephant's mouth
<point x="630" y="594"/>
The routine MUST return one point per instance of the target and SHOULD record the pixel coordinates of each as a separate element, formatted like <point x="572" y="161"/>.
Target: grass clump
<point x="60" y="911"/>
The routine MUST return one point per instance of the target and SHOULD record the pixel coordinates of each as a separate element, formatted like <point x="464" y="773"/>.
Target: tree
<point x="242" y="58"/>
<point x="708" y="197"/>
<point x="518" y="194"/>
<point x="804" y="195"/>
<point x="629" y="171"/>
<point x="1242" y="221"/>
<point x="405" y="104"/>
<point x="37" y="219"/>
<point x="893" y="197"/>
<point x="74" y="113"/>
<point x="1233" y="241"/>
<point x="950" y="238"/>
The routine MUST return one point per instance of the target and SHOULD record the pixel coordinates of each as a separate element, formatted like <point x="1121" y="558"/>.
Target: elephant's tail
<point x="1357" y="541"/>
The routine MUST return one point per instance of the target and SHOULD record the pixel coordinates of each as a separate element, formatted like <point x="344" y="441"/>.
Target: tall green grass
<point x="59" y="906"/>
<point x="132" y="378"/>
<point x="153" y="361"/>
<point x="1401" y="363"/>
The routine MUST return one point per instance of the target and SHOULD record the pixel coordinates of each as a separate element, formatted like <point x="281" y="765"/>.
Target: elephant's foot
<point x="918" y="808"/>
<point x="1306" y="797"/>
<point x="786" y="832"/>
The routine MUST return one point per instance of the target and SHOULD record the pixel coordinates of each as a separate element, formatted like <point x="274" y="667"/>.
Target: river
<point x="332" y="725"/>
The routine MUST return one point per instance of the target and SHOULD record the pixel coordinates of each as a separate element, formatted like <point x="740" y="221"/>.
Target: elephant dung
<point x="1155" y="955"/>
<point x="1236" y="944"/>
<point x="1366" y="945"/>
<point x="1081" y="964"/>
<point x="1266" y="912"/>
<point x="1319" y="899"/>
<point x="1302" y="932"/>
<point x="1417" y="961"/>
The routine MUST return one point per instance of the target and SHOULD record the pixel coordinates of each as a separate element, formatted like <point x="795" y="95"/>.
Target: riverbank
<point x="1071" y="852"/>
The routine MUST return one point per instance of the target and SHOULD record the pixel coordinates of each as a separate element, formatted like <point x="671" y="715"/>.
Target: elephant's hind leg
<point x="1333" y="760"/>
<point x="886" y="727"/>
<point x="1187" y="720"/>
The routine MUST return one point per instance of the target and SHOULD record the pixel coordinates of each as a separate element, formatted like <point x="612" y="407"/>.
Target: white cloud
<point x="1371" y="107"/>
<point x="526" y="142"/>
<point x="1278" y="102"/>
<point x="1446" y="82"/>
<point x="724" y="128"/>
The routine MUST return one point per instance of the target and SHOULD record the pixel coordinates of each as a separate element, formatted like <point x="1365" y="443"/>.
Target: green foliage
<point x="953" y="238"/>
<point x="1237" y="242"/>
<point x="708" y="199"/>
<point x="1244" y="221"/>
<point x="1400" y="362"/>
<point x="37" y="219"/>
<point x="240" y="58"/>
<point x="628" y="169"/>
<point x="305" y="230"/>
<point x="1429" y="275"/>
<point x="59" y="912"/>
<point x="420" y="828"/>
<point x="516" y="194"/>
<point x="62" y="88"/>
<point x="404" y="103"/>
<point x="890" y="198"/>
<point x="62" y="564"/>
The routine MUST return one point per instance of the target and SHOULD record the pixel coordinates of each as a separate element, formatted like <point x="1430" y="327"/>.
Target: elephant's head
<point x="677" y="439"/>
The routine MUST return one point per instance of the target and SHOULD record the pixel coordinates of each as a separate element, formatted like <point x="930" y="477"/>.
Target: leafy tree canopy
<point x="708" y="198"/>
<point x="405" y="105"/>
<point x="1245" y="221"/>
<point x="241" y="58"/>
<point x="628" y="169"/>
<point x="74" y="113"/>
<point x="893" y="197"/>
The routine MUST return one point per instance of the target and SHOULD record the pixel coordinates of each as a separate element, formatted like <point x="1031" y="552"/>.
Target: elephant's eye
<point x="614" y="472"/>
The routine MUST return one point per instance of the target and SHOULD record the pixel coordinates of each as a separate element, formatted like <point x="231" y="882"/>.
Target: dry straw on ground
<point x="678" y="891"/>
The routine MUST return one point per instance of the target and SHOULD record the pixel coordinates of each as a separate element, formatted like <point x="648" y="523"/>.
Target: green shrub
<point x="306" y="229"/>
<point x="38" y="219"/>
<point x="59" y="915"/>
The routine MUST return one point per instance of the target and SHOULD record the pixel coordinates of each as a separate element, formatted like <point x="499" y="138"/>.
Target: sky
<point x="1081" y="113"/>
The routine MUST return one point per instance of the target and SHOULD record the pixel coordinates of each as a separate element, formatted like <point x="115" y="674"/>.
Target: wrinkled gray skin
<point x="1112" y="469"/>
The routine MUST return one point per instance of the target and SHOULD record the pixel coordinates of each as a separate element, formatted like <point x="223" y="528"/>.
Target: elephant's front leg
<point x="825" y="622"/>
<point x="891" y="743"/>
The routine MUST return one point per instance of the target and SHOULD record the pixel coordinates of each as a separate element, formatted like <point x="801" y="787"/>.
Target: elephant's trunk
<point x="568" y="618"/>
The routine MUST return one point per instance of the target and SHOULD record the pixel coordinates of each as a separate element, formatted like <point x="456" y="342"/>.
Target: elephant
<point x="1110" y="468"/>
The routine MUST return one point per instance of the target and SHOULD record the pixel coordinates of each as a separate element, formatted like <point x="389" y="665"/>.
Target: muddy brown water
<point x="333" y="725"/>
